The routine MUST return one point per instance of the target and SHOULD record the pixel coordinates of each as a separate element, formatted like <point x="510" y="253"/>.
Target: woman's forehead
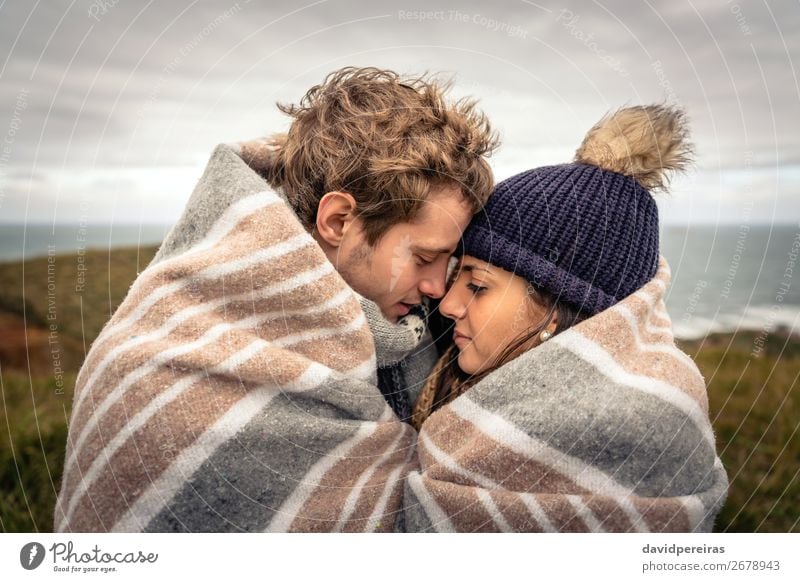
<point x="474" y="265"/>
<point x="470" y="263"/>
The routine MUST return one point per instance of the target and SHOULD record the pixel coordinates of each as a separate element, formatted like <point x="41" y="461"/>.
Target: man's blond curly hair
<point x="385" y="139"/>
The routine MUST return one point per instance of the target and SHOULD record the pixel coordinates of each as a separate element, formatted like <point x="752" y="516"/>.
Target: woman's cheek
<point x="469" y="359"/>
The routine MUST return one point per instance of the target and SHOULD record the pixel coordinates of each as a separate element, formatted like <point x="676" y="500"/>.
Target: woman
<point x="563" y="403"/>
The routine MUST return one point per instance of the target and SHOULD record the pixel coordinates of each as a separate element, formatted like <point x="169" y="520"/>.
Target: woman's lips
<point x="460" y="339"/>
<point x="403" y="309"/>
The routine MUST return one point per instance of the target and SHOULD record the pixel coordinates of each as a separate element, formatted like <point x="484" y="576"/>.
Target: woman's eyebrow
<point x="470" y="268"/>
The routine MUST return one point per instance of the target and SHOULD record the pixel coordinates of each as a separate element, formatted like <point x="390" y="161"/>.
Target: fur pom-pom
<point x="647" y="143"/>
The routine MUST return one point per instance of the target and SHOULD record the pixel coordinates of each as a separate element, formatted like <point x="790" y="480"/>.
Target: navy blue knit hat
<point x="587" y="231"/>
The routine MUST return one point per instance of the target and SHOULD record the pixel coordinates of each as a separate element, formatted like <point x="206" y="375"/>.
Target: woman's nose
<point x="451" y="305"/>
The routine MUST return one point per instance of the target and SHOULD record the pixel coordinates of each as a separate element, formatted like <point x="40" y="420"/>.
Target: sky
<point x="109" y="109"/>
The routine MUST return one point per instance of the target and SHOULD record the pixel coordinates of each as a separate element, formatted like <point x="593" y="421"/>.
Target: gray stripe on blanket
<point x="414" y="518"/>
<point x="351" y="398"/>
<point x="640" y="440"/>
<point x="247" y="479"/>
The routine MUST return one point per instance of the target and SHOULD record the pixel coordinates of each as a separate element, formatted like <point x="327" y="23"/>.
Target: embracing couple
<point x="352" y="328"/>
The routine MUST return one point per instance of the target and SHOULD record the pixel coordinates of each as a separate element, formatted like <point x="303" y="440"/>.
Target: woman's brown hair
<point x="447" y="381"/>
<point x="385" y="139"/>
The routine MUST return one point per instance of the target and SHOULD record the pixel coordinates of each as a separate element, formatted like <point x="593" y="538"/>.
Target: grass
<point x="754" y="403"/>
<point x="754" y="399"/>
<point x="83" y="294"/>
<point x="35" y="422"/>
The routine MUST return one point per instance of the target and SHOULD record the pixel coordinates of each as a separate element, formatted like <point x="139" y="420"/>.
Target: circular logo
<point x="31" y="555"/>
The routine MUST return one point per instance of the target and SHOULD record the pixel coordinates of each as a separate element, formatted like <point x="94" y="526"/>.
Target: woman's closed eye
<point x="476" y="289"/>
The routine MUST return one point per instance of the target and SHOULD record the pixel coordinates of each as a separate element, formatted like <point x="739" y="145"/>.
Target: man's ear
<point x="335" y="214"/>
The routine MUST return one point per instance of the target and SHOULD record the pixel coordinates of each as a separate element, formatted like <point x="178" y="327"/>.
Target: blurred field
<point x="754" y="404"/>
<point x="49" y="317"/>
<point x="754" y="401"/>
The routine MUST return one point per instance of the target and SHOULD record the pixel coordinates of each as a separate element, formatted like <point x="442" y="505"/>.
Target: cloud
<point x="147" y="90"/>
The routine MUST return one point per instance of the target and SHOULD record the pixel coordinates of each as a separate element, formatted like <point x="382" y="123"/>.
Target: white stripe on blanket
<point x="695" y="510"/>
<point x="229" y="220"/>
<point x="438" y="518"/>
<point x="134" y="424"/>
<point x="216" y="331"/>
<point x="364" y="371"/>
<point x="448" y="462"/>
<point x="358" y="486"/>
<point x="322" y="332"/>
<point x="221" y="228"/>
<point x="539" y="514"/>
<point x="184" y="315"/>
<point x="393" y="481"/>
<point x="164" y="357"/>
<point x="174" y="322"/>
<point x="140" y="419"/>
<point x="585" y="514"/>
<point x="276" y="250"/>
<point x="491" y="508"/>
<point x="158" y="495"/>
<point x="633" y="514"/>
<point x="285" y="515"/>
<point x="530" y="501"/>
<point x="669" y="350"/>
<point x="506" y="433"/>
<point x="590" y="352"/>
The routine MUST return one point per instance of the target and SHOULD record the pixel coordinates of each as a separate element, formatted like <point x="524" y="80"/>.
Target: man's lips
<point x="403" y="308"/>
<point x="408" y="305"/>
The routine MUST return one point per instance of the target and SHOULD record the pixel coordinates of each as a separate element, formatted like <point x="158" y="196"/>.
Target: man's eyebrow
<point x="436" y="251"/>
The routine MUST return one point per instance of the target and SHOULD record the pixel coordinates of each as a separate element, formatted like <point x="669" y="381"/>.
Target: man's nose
<point x="435" y="285"/>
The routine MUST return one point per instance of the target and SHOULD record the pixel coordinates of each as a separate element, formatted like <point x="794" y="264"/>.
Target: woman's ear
<point x="335" y="214"/>
<point x="551" y="327"/>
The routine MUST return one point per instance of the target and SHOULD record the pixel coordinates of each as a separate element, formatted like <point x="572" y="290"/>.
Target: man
<point x="234" y="388"/>
<point x="389" y="213"/>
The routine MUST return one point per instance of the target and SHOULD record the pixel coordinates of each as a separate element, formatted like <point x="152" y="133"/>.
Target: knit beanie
<point x="587" y="231"/>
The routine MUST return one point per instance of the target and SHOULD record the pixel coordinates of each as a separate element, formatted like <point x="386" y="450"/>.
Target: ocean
<point x="19" y="241"/>
<point x="724" y="278"/>
<point x="730" y="278"/>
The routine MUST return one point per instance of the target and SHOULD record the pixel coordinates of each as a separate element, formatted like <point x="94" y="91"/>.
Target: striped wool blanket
<point x="603" y="428"/>
<point x="234" y="389"/>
